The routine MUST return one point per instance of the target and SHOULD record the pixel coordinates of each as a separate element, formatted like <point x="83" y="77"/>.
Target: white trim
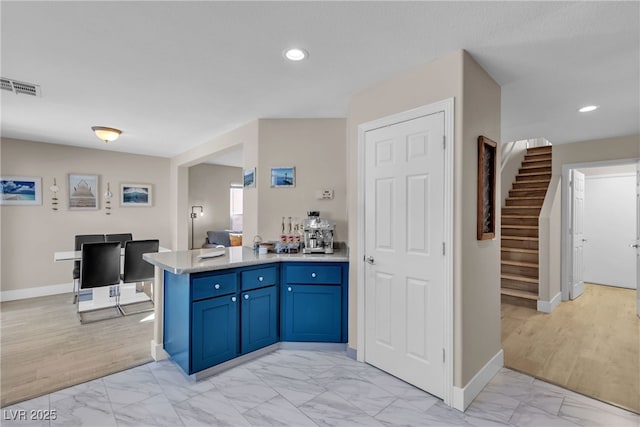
<point x="446" y="106"/>
<point x="549" y="306"/>
<point x="39" y="291"/>
<point x="158" y="352"/>
<point x="567" y="253"/>
<point x="462" y="397"/>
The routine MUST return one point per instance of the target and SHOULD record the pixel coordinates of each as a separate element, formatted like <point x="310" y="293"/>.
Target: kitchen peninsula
<point x="216" y="309"/>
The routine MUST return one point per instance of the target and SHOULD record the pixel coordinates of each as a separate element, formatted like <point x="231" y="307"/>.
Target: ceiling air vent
<point x="20" y="87"/>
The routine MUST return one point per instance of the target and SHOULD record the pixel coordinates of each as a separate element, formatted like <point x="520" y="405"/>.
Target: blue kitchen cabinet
<point x="214" y="331"/>
<point x="314" y="302"/>
<point x="259" y="319"/>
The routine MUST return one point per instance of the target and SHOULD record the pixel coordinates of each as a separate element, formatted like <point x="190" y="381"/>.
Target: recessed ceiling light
<point x="588" y="108"/>
<point x="295" y="54"/>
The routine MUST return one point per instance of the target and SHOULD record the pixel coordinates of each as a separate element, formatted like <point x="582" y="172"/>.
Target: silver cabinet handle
<point x="217" y="286"/>
<point x="370" y="260"/>
<point x="233" y="299"/>
<point x="260" y="279"/>
<point x="313" y="274"/>
<point x="289" y="289"/>
<point x="246" y="296"/>
<point x="635" y="245"/>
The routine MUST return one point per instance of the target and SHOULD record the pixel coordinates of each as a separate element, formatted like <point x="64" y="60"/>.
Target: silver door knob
<point x="217" y="286"/>
<point x="313" y="274"/>
<point x="370" y="260"/>
<point x="233" y="299"/>
<point x="260" y="278"/>
<point x="289" y="289"/>
<point x="246" y="296"/>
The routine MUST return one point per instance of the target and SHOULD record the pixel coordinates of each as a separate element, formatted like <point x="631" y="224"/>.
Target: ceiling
<point x="174" y="75"/>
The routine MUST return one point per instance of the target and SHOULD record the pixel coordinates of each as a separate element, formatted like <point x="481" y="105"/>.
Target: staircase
<point x="519" y="252"/>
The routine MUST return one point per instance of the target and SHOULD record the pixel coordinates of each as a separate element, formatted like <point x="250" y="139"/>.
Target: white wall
<point x="31" y="234"/>
<point x="609" y="228"/>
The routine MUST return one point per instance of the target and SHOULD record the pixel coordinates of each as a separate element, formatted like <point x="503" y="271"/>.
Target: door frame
<point x="447" y="107"/>
<point x="567" y="252"/>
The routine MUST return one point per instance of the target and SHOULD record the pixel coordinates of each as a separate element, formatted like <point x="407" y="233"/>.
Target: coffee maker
<point x="318" y="234"/>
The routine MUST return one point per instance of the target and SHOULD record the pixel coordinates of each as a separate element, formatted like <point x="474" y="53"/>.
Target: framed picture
<point x="20" y="190"/>
<point x="283" y="177"/>
<point x="83" y="192"/>
<point x="136" y="195"/>
<point x="249" y="178"/>
<point x="486" y="221"/>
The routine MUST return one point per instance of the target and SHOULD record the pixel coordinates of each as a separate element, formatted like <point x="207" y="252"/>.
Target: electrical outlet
<point x="327" y="194"/>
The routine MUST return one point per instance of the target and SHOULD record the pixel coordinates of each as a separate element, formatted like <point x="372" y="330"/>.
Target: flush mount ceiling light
<point x="106" y="134"/>
<point x="588" y="108"/>
<point x="295" y="54"/>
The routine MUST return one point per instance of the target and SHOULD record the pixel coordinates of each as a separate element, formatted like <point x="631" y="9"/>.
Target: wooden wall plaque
<point x="487" y="150"/>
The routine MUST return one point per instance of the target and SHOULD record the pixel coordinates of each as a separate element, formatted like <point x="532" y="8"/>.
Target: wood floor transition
<point x="590" y="345"/>
<point x="44" y="347"/>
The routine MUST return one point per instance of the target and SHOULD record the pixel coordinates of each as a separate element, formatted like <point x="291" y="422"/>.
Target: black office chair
<point x="122" y="238"/>
<point x="99" y="267"/>
<point x="79" y="240"/>
<point x="138" y="270"/>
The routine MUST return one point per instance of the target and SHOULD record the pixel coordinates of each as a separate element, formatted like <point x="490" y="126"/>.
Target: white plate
<point x="211" y="254"/>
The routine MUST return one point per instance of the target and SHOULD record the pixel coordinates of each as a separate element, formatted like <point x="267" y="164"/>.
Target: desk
<point x="95" y="298"/>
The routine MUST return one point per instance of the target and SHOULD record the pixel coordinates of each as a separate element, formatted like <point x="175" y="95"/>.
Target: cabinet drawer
<point x="312" y="274"/>
<point x="213" y="285"/>
<point x="260" y="277"/>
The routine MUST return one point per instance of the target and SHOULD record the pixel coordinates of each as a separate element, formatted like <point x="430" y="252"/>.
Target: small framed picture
<point x="283" y="177"/>
<point x="20" y="190"/>
<point x="83" y="192"/>
<point x="136" y="195"/>
<point x="249" y="178"/>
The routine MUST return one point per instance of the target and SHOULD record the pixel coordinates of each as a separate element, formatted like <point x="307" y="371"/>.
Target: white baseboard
<point x="462" y="397"/>
<point x="157" y="351"/>
<point x="549" y="306"/>
<point x="40" y="291"/>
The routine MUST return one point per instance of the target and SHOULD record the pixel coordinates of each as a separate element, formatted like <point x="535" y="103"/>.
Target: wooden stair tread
<point x="521" y="207"/>
<point x="519" y="294"/>
<point x="521" y="250"/>
<point x="519" y="278"/>
<point x="520" y="263"/>
<point x="533" y="173"/>
<point x="536" y="181"/>
<point x="519" y="238"/>
<point x="519" y="216"/>
<point x="527" y="227"/>
<point x="526" y="198"/>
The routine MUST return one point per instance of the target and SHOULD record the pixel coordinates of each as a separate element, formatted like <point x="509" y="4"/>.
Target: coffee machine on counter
<point x="318" y="234"/>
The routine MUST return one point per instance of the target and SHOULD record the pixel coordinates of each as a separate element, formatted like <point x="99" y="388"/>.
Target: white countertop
<point x="185" y="262"/>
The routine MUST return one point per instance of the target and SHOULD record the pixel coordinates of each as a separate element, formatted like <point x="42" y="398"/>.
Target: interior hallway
<point x="590" y="345"/>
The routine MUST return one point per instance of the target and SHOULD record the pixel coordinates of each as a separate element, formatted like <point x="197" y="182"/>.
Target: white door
<point x="404" y="235"/>
<point x="577" y="234"/>
<point x="609" y="229"/>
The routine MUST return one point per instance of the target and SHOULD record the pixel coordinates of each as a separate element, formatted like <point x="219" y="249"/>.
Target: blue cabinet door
<point x="312" y="313"/>
<point x="259" y="318"/>
<point x="214" y="331"/>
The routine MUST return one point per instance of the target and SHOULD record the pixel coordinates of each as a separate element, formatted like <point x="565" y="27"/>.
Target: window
<point x="235" y="206"/>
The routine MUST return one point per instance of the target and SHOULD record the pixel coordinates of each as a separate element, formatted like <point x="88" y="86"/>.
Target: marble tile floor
<point x="303" y="388"/>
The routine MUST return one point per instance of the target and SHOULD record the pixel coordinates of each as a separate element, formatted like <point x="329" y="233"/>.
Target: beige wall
<point x="209" y="187"/>
<point x="315" y="147"/>
<point x="246" y="136"/>
<point x="623" y="147"/>
<point x="511" y="168"/>
<point x="476" y="264"/>
<point x="31" y="234"/>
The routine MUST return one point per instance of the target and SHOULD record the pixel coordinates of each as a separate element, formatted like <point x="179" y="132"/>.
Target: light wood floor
<point x="44" y="347"/>
<point x="590" y="345"/>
